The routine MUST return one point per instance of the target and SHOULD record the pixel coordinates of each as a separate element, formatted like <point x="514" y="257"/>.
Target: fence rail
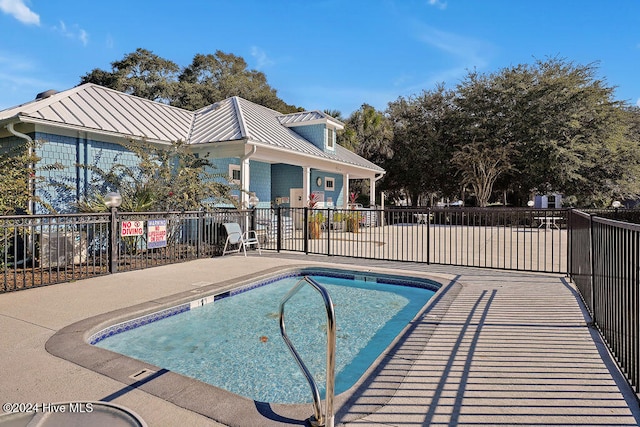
<point x="515" y="239"/>
<point x="45" y="249"/>
<point x="605" y="263"/>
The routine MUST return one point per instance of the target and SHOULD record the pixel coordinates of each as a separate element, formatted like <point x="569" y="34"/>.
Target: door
<point x="297" y="200"/>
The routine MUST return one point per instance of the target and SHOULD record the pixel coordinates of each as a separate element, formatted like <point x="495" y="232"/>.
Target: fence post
<point x="570" y="220"/>
<point x="113" y="242"/>
<point x="305" y="230"/>
<point x="593" y="270"/>
<point x="200" y="233"/>
<point x="279" y="229"/>
<point x="428" y="236"/>
<point x="328" y="225"/>
<point x="252" y="218"/>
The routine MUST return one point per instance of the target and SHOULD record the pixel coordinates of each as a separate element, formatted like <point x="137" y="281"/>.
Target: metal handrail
<point x="317" y="418"/>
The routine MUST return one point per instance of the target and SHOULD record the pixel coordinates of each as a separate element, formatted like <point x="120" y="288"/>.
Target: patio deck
<point x="502" y="348"/>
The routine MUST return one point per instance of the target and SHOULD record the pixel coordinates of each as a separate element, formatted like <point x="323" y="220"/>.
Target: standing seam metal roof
<point x="97" y="108"/>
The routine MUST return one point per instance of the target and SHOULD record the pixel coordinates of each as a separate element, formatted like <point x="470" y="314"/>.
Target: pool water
<point x="235" y="342"/>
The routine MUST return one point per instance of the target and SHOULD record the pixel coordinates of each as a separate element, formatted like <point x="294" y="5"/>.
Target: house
<point x="282" y="158"/>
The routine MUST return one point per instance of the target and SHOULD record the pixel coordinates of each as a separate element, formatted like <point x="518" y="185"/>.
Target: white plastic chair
<point x="235" y="236"/>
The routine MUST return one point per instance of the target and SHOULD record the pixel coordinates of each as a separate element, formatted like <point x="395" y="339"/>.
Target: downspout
<point x="245" y="194"/>
<point x="27" y="138"/>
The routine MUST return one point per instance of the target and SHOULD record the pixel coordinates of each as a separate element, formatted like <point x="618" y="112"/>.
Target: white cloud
<point x="84" y="37"/>
<point x="109" y="42"/>
<point x="261" y="57"/>
<point x="438" y="3"/>
<point x="75" y="33"/>
<point x="15" y="62"/>
<point x="472" y="52"/>
<point x="22" y="77"/>
<point x="638" y="102"/>
<point x="20" y="11"/>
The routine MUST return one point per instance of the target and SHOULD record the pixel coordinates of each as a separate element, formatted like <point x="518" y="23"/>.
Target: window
<point x="331" y="138"/>
<point x="329" y="184"/>
<point x="234" y="174"/>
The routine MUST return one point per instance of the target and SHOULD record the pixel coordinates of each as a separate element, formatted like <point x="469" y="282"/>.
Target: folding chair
<point x="235" y="236"/>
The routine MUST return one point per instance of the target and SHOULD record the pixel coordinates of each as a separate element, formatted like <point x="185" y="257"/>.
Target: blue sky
<point x="320" y="54"/>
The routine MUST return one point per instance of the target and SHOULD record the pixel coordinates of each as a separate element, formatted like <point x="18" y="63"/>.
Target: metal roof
<point x="308" y="117"/>
<point x="236" y="118"/>
<point x="96" y="108"/>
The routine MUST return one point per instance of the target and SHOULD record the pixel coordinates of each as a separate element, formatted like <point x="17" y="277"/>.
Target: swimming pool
<point x="235" y="343"/>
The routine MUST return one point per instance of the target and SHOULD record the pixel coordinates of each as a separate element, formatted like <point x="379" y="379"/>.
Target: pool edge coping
<point x="70" y="343"/>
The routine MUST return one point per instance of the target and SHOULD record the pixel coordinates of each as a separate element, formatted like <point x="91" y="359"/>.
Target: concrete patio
<point x="494" y="348"/>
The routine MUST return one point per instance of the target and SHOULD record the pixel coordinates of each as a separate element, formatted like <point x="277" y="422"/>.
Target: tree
<point x="208" y="79"/>
<point x="562" y="124"/>
<point x="140" y="73"/>
<point x="211" y="78"/>
<point x="481" y="165"/>
<point x="422" y="146"/>
<point x="19" y="177"/>
<point x="484" y="131"/>
<point x="165" y="179"/>
<point x="368" y="133"/>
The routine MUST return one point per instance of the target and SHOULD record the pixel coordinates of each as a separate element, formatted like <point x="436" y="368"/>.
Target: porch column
<point x="245" y="176"/>
<point x="245" y="179"/>
<point x="345" y="191"/>
<point x="306" y="184"/>
<point x="372" y="191"/>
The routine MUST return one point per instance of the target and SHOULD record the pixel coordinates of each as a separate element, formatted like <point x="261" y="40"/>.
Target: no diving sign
<point x="132" y="228"/>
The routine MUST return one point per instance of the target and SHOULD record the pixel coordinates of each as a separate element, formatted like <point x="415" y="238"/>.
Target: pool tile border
<point x="137" y="322"/>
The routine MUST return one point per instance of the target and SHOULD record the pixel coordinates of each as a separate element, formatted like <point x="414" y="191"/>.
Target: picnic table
<point x="548" y="222"/>
<point x="423" y="218"/>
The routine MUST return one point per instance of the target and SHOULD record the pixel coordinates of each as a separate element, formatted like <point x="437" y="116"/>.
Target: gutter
<point x="31" y="166"/>
<point x="251" y="153"/>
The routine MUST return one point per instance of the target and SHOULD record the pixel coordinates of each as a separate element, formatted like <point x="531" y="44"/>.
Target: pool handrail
<point x="317" y="419"/>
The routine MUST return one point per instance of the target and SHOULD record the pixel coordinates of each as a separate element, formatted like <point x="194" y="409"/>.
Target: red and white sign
<point x="157" y="233"/>
<point x="132" y="228"/>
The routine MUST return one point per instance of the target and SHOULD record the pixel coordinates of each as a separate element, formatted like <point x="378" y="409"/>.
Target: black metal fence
<point x="44" y="249"/>
<point x="39" y="250"/>
<point x="605" y="263"/>
<point x="516" y="239"/>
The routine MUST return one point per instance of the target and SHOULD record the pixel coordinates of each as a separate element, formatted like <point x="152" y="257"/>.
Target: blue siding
<point x="62" y="187"/>
<point x="260" y="182"/>
<point x="221" y="167"/>
<point x="335" y="194"/>
<point x="6" y="144"/>
<point x="283" y="178"/>
<point x="312" y="133"/>
<point x="259" y="176"/>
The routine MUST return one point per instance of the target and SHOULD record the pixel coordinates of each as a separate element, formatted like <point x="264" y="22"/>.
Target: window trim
<point x="331" y="138"/>
<point x="328" y="179"/>
<point x="233" y="168"/>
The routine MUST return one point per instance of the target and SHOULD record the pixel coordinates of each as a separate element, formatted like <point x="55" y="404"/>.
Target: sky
<point x="321" y="54"/>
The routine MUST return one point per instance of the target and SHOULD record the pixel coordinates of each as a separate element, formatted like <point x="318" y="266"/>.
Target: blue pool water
<point x="234" y="343"/>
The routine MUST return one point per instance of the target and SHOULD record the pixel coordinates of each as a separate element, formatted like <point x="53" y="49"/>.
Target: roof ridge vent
<point x="46" y="94"/>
